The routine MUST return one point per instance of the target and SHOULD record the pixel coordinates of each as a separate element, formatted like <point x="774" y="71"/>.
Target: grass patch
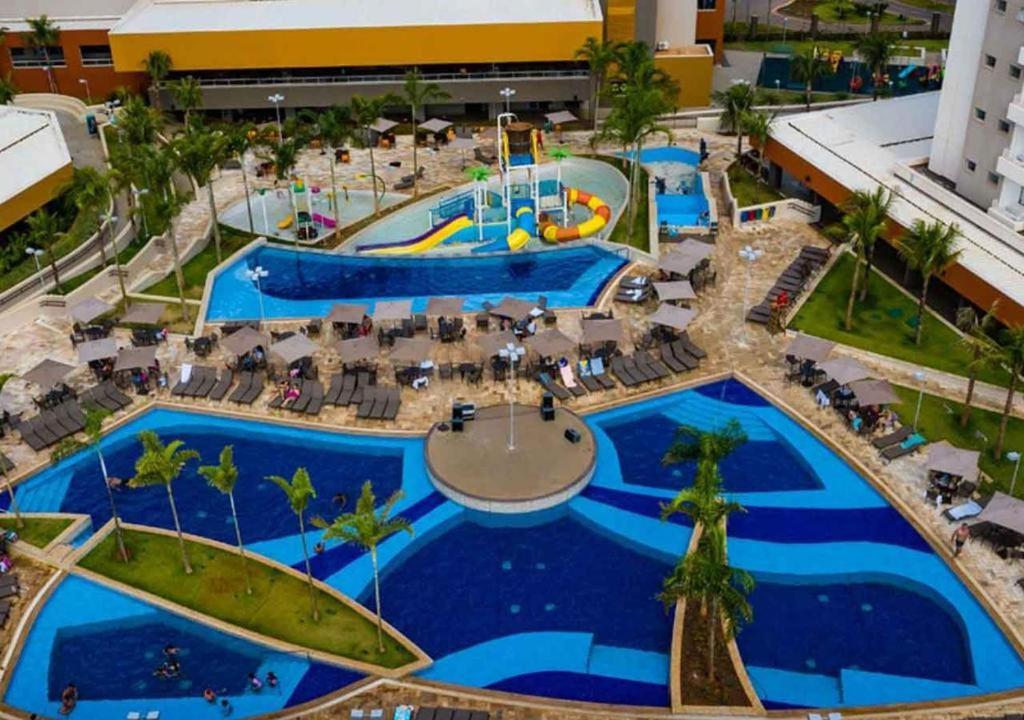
<point x="278" y="608"/>
<point x="840" y="11"/>
<point x="846" y="47"/>
<point x="38" y="531"/>
<point x="940" y="420"/>
<point x="884" y="324"/>
<point x="196" y="269"/>
<point x="748" y="191"/>
<point x="640" y="238"/>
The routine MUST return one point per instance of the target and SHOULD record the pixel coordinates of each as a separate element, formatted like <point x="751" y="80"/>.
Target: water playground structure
<point x="508" y="215"/>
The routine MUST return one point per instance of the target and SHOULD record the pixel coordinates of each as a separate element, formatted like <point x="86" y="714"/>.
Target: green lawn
<point x="747" y="190"/>
<point x="846" y="47"/>
<point x="196" y="269"/>
<point x="832" y="11"/>
<point x="38" y="531"/>
<point x="883" y="324"/>
<point x="278" y="608"/>
<point x="940" y="420"/>
<point x="640" y="238"/>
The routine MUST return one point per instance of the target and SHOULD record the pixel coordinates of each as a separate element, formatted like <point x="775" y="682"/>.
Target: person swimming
<point x="209" y="695"/>
<point x="255" y="684"/>
<point x="68" y="699"/>
<point x="272" y="680"/>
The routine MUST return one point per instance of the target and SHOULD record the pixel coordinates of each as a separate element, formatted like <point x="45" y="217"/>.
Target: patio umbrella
<point x="675" y="290"/>
<point x="513" y="308"/>
<point x="97" y="350"/>
<point x="844" y="370"/>
<point x="392" y="310"/>
<point x="672" y="316"/>
<point x="411" y="351"/>
<point x="358" y="349"/>
<point x="874" y="392"/>
<point x="493" y="342"/>
<point x="561" y="117"/>
<point x="434" y="125"/>
<point x="294" y="348"/>
<point x="437" y="306"/>
<point x="382" y="125"/>
<point x="89" y="310"/>
<point x="16" y="396"/>
<point x="945" y="458"/>
<point x="47" y="373"/>
<point x="488" y="134"/>
<point x="1004" y="511"/>
<point x="245" y="340"/>
<point x="346" y="314"/>
<point x="597" y="331"/>
<point x="144" y="314"/>
<point x="550" y="343"/>
<point x="808" y="347"/>
<point x="462" y="145"/>
<point x="135" y="358"/>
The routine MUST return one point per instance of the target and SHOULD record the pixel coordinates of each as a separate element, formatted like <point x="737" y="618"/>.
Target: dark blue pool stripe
<point x="586" y="688"/>
<point x="789" y="525"/>
<point x="732" y="391"/>
<point x="321" y="680"/>
<point x="337" y="557"/>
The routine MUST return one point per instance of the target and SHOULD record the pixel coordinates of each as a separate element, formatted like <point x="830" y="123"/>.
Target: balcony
<point x="1012" y="216"/>
<point x="1011" y="166"/>
<point x="1015" y="113"/>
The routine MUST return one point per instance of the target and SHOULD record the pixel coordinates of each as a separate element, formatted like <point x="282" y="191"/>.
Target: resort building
<point x="34" y="162"/>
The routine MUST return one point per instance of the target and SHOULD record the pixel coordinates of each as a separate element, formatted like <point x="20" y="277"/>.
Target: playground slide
<point x="285" y="222"/>
<point x="323" y="220"/>
<point x="602" y="214"/>
<point x="421" y="243"/>
<point x="526" y="226"/>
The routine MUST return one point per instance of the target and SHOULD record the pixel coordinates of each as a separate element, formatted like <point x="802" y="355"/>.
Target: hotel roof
<point x="168" y="16"/>
<point x="876" y="143"/>
<point x="67" y="14"/>
<point x="32" y="148"/>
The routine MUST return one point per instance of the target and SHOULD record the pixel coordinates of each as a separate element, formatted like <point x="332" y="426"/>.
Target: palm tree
<point x="18" y="521"/>
<point x="418" y="94"/>
<point x="875" y="50"/>
<point x="808" y="67"/>
<point x="367" y="526"/>
<point x="44" y="34"/>
<point x="758" y="126"/>
<point x="600" y="56"/>
<point x="736" y="102"/>
<point x="162" y="464"/>
<point x="238" y="141"/>
<point x="479" y="174"/>
<point x="90" y="192"/>
<point x="8" y="90"/>
<point x="43" y="231"/>
<point x="286" y="154"/>
<point x="223" y="477"/>
<point x="863" y="223"/>
<point x="559" y="153"/>
<point x="158" y="64"/>
<point x="880" y="202"/>
<point x="188" y="95"/>
<point x="198" y="152"/>
<point x="157" y="165"/>
<point x="365" y="111"/>
<point x="334" y="126"/>
<point x="1011" y="344"/>
<point x="138" y="123"/>
<point x="929" y="248"/>
<point x="983" y="349"/>
<point x="299" y="492"/>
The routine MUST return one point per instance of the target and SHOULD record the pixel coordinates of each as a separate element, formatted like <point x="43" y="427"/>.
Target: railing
<point x="395" y="78"/>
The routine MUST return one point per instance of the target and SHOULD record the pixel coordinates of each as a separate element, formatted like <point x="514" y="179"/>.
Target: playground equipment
<point x="321" y="219"/>
<point x="285" y="222"/>
<point x="421" y="243"/>
<point x="602" y="215"/>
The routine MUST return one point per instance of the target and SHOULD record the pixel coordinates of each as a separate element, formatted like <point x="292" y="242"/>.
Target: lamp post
<point x="137" y="193"/>
<point x="35" y="253"/>
<point x="256" y="274"/>
<point x="919" y="376"/>
<point x="83" y="81"/>
<point x="785" y="20"/>
<point x="507" y="93"/>
<point x="111" y="221"/>
<point x="1014" y="457"/>
<point x="751" y="255"/>
<point x="277" y="99"/>
<point x="513" y="353"/>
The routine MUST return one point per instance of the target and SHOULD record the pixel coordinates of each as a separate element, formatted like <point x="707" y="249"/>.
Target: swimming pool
<point x="852" y="606"/>
<point x="678" y="207"/>
<point x="303" y="284"/>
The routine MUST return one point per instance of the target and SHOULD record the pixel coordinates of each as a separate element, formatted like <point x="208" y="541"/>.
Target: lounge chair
<point x="597" y="369"/>
<point x="691" y="347"/>
<point x="254" y="390"/>
<point x="426" y="713"/>
<point x="557" y="390"/>
<point x="892" y="438"/>
<point x="223" y="385"/>
<point x="195" y="381"/>
<point x="369" y="401"/>
<point x="316" y="397"/>
<point x="334" y="388"/>
<point x="183" y="380"/>
<point x="6" y="465"/>
<point x="963" y="511"/>
<point x="569" y="380"/>
<point x="670" y="360"/>
<point x="585" y="375"/>
<point x="302" y="401"/>
<point x="344" y="395"/>
<point x="208" y="383"/>
<point x="634" y="282"/>
<point x="641" y="372"/>
<point x="244" y="382"/>
<point x="9" y="591"/>
<point x="30" y="438"/>
<point x="624" y="374"/>
<point x="907" y="447"/>
<point x="392" y="403"/>
<point x="8" y="581"/>
<point x="633" y="296"/>
<point x="657" y="367"/>
<point x="681" y="354"/>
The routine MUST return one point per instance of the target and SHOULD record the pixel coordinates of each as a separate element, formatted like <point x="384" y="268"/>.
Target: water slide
<point x="421" y="243"/>
<point x="526" y="226"/>
<point x="602" y="214"/>
<point x="323" y="220"/>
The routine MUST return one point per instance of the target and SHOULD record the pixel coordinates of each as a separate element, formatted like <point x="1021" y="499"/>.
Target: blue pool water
<point x="307" y="284"/>
<point x="674" y="208"/>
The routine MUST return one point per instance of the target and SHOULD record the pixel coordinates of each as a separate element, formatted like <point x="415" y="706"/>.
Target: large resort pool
<point x="852" y="606"/>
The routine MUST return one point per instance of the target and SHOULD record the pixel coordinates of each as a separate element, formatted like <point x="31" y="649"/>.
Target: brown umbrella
<point x="672" y="316"/>
<point x="434" y="125"/>
<point x="411" y="351"/>
<point x="346" y="314"/>
<point x="675" y="290"/>
<point x="494" y="342"/>
<point x="144" y="314"/>
<point x="245" y="340"/>
<point x="89" y="310"/>
<point x="596" y="331"/>
<point x="47" y="373"/>
<point x="358" y="349"/>
<point x="1005" y="511"/>
<point x="685" y="257"/>
<point x="382" y="125"/>
<point x="844" y="370"/>
<point x="550" y="343"/>
<point x="513" y="308"/>
<point x="945" y="458"/>
<point x="135" y="357"/>
<point x="392" y="310"/>
<point x="437" y="306"/>
<point x="809" y="347"/>
<point x="294" y="348"/>
<point x="97" y="350"/>
<point x="874" y="392"/>
<point x="561" y="117"/>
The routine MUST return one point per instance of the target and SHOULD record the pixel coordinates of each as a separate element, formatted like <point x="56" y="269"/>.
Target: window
<point x="1000" y="6"/>
<point x="1004" y="126"/>
<point x="1020" y="197"/>
<point x="1015" y="72"/>
<point x="993" y="178"/>
<point x="971" y="166"/>
<point x="980" y="114"/>
<point x="990" y="61"/>
<point x="96" y="55"/>
<point x="33" y="57"/>
<point x="707" y="4"/>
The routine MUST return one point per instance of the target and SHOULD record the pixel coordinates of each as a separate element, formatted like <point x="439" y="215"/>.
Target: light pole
<point x="778" y="84"/>
<point x="785" y="20"/>
<point x="137" y="193"/>
<point x="919" y="376"/>
<point x="256" y="275"/>
<point x="1014" y="457"/>
<point x="513" y="353"/>
<point x="277" y="99"/>
<point x="507" y="93"/>
<point x="111" y="221"/>
<point x="35" y="253"/>
<point x="83" y="81"/>
<point x="751" y="255"/>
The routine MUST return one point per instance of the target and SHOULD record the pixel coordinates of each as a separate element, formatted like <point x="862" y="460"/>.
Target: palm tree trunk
<point x="51" y="80"/>
<point x="807" y="95"/>
<point x="101" y="244"/>
<point x="14" y="503"/>
<point x="869" y="255"/>
<point x="179" y="277"/>
<point x="334" y="192"/>
<point x="634" y="179"/>
<point x="118" y="533"/>
<point x="712" y="624"/>
<point x="376" y="597"/>
<point x="213" y="218"/>
<point x="53" y="267"/>
<point x="1007" y="409"/>
<point x="177" y="528"/>
<point x="919" y="330"/>
<point x="295" y="212"/>
<point x="373" y="179"/>
<point x="309" y="571"/>
<point x="241" y="546"/>
<point x="739" y="143"/>
<point x="156" y="96"/>
<point x="245" y="188"/>
<point x="848" y="322"/>
<point x="415" y="156"/>
<point x="597" y="99"/>
<point x="972" y="376"/>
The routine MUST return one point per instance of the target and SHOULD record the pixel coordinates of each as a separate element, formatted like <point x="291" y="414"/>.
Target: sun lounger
<point x="244" y="382"/>
<point x="892" y="438"/>
<point x="316" y="397"/>
<point x="569" y="380"/>
<point x="634" y="282"/>
<point x="907" y="447"/>
<point x="97" y="397"/>
<point x="184" y="379"/>
<point x="585" y="375"/>
<point x="667" y="357"/>
<point x="597" y="370"/>
<point x="624" y="374"/>
<point x="254" y="390"/>
<point x="657" y="367"/>
<point x="963" y="511"/>
<point x="392" y="403"/>
<point x="302" y="401"/>
<point x="362" y="383"/>
<point x="444" y="714"/>
<point x="8" y="581"/>
<point x="348" y="386"/>
<point x="43" y="431"/>
<point x="334" y="388"/>
<point x="462" y="715"/>
<point x="683" y="355"/>
<point x="557" y="390"/>
<point x="425" y="713"/>
<point x="6" y="464"/>
<point x="30" y="438"/>
<point x="642" y="372"/>
<point x="369" y="402"/>
<point x="9" y="591"/>
<point x="60" y="423"/>
<point x="691" y="347"/>
<point x="223" y="385"/>
<point x="208" y="383"/>
<point x="633" y="296"/>
<point x="759" y="314"/>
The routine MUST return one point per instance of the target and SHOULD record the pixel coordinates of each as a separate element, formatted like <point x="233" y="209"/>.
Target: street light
<point x="1014" y="457"/>
<point x="35" y="253"/>
<point x="507" y="93"/>
<point x="138" y="193"/>
<point x="919" y="376"/>
<point x="83" y="81"/>
<point x="277" y="99"/>
<point x="513" y="353"/>
<point x="111" y="221"/>
<point x="256" y="274"/>
<point x="785" y="20"/>
<point x="751" y="255"/>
